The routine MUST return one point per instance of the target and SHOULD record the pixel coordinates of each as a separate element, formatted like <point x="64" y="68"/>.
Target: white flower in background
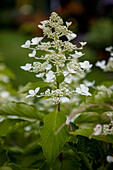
<point x="27" y="67"/>
<point x="27" y="44"/>
<point x="111" y="54"/>
<point x="68" y="79"/>
<point x="89" y="83"/>
<point x="71" y="119"/>
<point x="65" y="73"/>
<point x="68" y="120"/>
<point x="64" y="99"/>
<point x="101" y="64"/>
<point x="97" y="129"/>
<point x="33" y="93"/>
<point x="32" y="54"/>
<point x="83" y="90"/>
<point x="77" y="54"/>
<point x="109" y="158"/>
<point x="40" y="75"/>
<point x="71" y="36"/>
<point x="4" y="94"/>
<point x="36" y="40"/>
<point x="50" y="76"/>
<point x="109" y="48"/>
<point x="68" y="23"/>
<point x="48" y="67"/>
<point x="85" y="65"/>
<point x="83" y="43"/>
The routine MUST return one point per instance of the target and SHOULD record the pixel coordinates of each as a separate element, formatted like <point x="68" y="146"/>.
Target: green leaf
<point x="87" y="117"/>
<point x="22" y="110"/>
<point x="3" y="156"/>
<point x="52" y="139"/>
<point x="60" y="77"/>
<point x="12" y="166"/>
<point x="9" y="125"/>
<point x="33" y="86"/>
<point x="88" y="132"/>
<point x="107" y="83"/>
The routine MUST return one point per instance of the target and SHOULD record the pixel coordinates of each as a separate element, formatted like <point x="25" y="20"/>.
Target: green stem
<point x="58" y="105"/>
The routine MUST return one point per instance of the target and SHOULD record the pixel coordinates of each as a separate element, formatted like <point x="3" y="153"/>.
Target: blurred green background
<point x="92" y="21"/>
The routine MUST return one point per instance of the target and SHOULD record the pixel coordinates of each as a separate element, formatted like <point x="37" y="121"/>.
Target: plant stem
<point x="58" y="105"/>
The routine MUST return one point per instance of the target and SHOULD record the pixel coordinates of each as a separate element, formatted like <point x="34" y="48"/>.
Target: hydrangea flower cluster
<point x="109" y="65"/>
<point x="59" y="62"/>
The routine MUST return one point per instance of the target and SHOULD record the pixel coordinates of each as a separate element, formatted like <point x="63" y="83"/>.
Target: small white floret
<point x="64" y="100"/>
<point x="36" y="40"/>
<point x="111" y="54"/>
<point x="77" y="54"/>
<point x="71" y="70"/>
<point x="48" y="67"/>
<point x="71" y="36"/>
<point x="4" y="94"/>
<point x="50" y="76"/>
<point x="109" y="48"/>
<point x="83" y="90"/>
<point x="97" y="129"/>
<point x="68" y="120"/>
<point x="89" y="83"/>
<point x="101" y="64"/>
<point x="41" y="26"/>
<point x="40" y="75"/>
<point x="32" y="54"/>
<point x="33" y="93"/>
<point x="109" y="158"/>
<point x="27" y="67"/>
<point x="68" y="23"/>
<point x="85" y="65"/>
<point x="83" y="43"/>
<point x="27" y="44"/>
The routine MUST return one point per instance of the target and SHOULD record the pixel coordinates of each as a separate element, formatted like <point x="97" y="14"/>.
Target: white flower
<point x="64" y="100"/>
<point x="109" y="48"/>
<point x="77" y="54"/>
<point x="83" y="43"/>
<point x="111" y="54"/>
<point x="40" y="75"/>
<point x="71" y="36"/>
<point x="65" y="73"/>
<point x="32" y="54"/>
<point x="26" y="45"/>
<point x="36" y="40"/>
<point x="68" y="23"/>
<point x="68" y="120"/>
<point x="109" y="158"/>
<point x="4" y="94"/>
<point x="88" y="83"/>
<point x="97" y="129"/>
<point x="83" y="90"/>
<point x="50" y="76"/>
<point x="27" y="67"/>
<point x="41" y="26"/>
<point x="71" y="70"/>
<point x="85" y="65"/>
<point x="101" y="64"/>
<point x="44" y="22"/>
<point x="48" y="67"/>
<point x="32" y="93"/>
<point x="68" y="79"/>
